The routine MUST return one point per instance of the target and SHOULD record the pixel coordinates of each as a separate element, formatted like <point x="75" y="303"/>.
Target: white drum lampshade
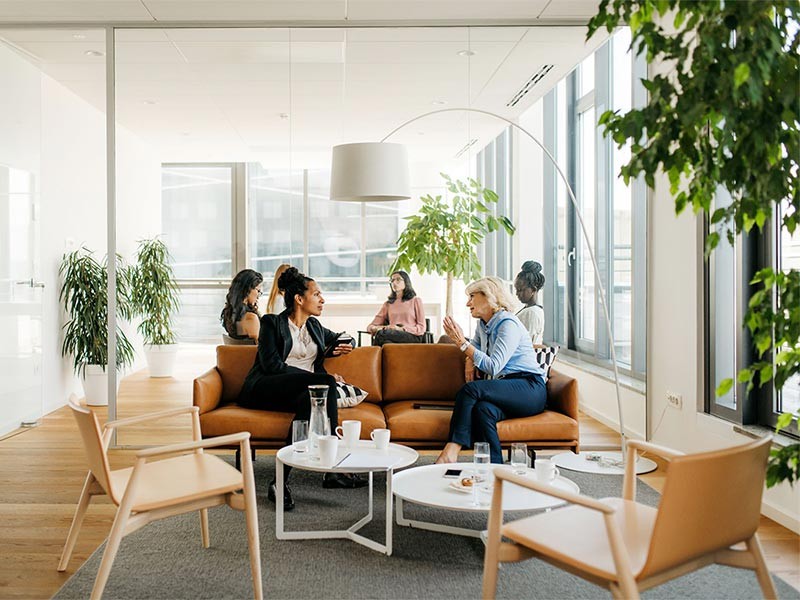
<point x="370" y="172"/>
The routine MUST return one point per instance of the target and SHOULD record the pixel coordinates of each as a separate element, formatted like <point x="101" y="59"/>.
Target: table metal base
<point x="350" y="533"/>
<point x="413" y="523"/>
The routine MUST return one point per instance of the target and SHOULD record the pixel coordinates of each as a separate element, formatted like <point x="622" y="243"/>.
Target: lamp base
<point x="603" y="463"/>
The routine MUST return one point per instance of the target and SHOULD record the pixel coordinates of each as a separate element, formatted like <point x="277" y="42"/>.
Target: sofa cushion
<point x="362" y="367"/>
<point x="233" y="364"/>
<point x="546" y="426"/>
<point x="422" y="371"/>
<point x="262" y="424"/>
<point x="409" y="423"/>
<point x="370" y="415"/>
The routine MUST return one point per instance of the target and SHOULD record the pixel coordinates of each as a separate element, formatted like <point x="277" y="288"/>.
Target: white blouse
<point x="304" y="349"/>
<point x="533" y="319"/>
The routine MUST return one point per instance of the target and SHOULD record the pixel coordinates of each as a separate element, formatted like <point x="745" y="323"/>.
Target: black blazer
<point x="274" y="345"/>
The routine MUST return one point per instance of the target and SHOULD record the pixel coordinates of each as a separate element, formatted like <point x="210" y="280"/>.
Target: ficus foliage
<point x="726" y="115"/>
<point x="443" y="236"/>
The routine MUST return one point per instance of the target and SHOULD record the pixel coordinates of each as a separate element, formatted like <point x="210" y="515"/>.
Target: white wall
<point x="47" y="130"/>
<point x="74" y="209"/>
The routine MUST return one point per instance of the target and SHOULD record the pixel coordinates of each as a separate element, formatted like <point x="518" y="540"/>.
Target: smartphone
<point x="345" y="338"/>
<point x="452" y="473"/>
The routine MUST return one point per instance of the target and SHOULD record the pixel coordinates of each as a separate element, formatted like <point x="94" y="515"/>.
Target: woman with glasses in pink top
<point x="401" y="319"/>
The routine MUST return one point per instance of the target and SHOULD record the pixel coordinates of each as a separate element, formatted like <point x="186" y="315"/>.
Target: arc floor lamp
<point x="379" y="172"/>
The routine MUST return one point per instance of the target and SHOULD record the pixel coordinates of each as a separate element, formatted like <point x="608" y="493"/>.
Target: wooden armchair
<point x="153" y="490"/>
<point x="711" y="501"/>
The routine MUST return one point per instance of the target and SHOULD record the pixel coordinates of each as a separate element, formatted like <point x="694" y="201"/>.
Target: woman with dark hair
<point x="401" y="319"/>
<point x="527" y="285"/>
<point x="291" y="352"/>
<point x="240" y="314"/>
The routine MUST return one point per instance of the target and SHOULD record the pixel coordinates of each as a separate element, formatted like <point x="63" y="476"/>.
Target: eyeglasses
<point x="260" y="292"/>
<point x="394" y="279"/>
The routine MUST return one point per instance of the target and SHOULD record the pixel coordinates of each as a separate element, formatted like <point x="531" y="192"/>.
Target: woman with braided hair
<point x="527" y="285"/>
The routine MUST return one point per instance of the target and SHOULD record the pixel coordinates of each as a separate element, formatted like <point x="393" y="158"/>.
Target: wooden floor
<point x="42" y="470"/>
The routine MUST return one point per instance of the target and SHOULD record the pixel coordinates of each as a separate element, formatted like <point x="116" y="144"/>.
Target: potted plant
<point x="726" y="117"/>
<point x="155" y="298"/>
<point x="442" y="238"/>
<point x="84" y="296"/>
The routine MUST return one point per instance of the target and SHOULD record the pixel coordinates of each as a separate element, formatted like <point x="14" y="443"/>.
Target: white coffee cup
<point x="381" y="438"/>
<point x="545" y="470"/>
<point x="328" y="446"/>
<point x="349" y="432"/>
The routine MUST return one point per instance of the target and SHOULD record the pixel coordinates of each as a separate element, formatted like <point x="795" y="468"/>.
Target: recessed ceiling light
<point x="284" y="116"/>
<point x="94" y="53"/>
<point x="466" y="53"/>
<point x="149" y="102"/>
<point x="438" y="102"/>
<point x="185" y="133"/>
<point x="420" y="133"/>
<point x="79" y="36"/>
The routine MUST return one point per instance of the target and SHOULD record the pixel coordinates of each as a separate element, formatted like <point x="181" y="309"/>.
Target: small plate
<point x="459" y="487"/>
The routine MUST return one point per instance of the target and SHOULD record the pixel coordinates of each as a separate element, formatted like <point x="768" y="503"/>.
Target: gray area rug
<point x="166" y="559"/>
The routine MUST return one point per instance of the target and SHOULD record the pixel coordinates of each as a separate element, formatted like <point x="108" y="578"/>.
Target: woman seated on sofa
<point x="401" y="319"/>
<point x="240" y="314"/>
<point x="290" y="358"/>
<point x="502" y="350"/>
<point x="275" y="298"/>
<point x="527" y="285"/>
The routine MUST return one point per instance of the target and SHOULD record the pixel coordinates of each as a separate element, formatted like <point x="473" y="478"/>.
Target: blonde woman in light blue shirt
<point x="513" y="385"/>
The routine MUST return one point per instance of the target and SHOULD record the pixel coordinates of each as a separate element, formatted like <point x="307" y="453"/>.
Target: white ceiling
<point x="248" y="94"/>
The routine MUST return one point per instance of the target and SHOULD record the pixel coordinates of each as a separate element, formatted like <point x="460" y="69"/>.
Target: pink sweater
<point x="408" y="313"/>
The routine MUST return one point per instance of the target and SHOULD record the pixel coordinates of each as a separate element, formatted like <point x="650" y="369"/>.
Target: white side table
<point x="426" y="486"/>
<point x="286" y="456"/>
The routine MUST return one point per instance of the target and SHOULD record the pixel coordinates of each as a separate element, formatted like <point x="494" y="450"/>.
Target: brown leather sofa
<point x="396" y="376"/>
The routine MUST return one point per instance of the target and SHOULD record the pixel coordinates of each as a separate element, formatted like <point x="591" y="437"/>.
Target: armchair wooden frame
<point x="151" y="490"/>
<point x="711" y="501"/>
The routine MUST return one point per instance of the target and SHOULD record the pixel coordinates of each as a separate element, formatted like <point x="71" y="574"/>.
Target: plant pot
<point x="161" y="359"/>
<point x="95" y="385"/>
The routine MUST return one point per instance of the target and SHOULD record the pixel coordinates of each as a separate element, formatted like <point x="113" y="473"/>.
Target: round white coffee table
<point x="426" y="486"/>
<point x="363" y="458"/>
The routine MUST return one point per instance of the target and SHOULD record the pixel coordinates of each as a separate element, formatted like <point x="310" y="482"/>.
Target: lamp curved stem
<point x="575" y="205"/>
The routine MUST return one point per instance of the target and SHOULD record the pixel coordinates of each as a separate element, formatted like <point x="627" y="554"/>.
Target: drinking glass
<point x="481" y="459"/>
<point x="300" y="436"/>
<point x="519" y="457"/>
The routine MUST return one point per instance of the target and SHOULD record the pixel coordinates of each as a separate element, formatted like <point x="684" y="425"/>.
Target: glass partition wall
<point x="222" y="151"/>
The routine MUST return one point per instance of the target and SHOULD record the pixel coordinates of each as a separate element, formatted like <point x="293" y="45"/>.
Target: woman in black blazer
<point x="291" y="353"/>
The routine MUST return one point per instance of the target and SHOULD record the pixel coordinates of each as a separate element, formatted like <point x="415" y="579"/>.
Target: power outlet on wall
<point x="675" y="400"/>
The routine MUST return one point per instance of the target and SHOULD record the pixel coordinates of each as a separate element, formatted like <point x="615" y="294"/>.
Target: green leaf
<point x="724" y="387"/>
<point x="740" y="75"/>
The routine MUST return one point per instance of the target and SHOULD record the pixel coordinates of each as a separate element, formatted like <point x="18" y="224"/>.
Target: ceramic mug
<point x="381" y="438"/>
<point x="545" y="470"/>
<point x="349" y="432"/>
<point x="328" y="446"/>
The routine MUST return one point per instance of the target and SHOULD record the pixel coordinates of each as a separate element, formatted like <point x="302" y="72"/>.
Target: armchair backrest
<point x="93" y="445"/>
<point x="711" y="501"/>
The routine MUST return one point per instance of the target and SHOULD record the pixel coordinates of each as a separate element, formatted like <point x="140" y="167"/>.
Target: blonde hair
<point x="273" y="293"/>
<point x="496" y="292"/>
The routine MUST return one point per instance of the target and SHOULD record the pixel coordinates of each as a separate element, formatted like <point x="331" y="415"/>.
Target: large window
<point x="494" y="172"/>
<point x="612" y="214"/>
<point x="221" y="218"/>
<point x="728" y="272"/>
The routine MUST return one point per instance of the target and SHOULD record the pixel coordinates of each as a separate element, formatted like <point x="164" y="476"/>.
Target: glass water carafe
<point x="318" y="423"/>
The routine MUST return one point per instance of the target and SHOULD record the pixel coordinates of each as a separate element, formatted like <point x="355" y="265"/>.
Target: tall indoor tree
<point x="727" y="115"/>
<point x="443" y="237"/>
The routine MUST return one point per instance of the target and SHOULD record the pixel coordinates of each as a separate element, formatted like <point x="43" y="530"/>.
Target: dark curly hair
<point x="531" y="275"/>
<point x="234" y="310"/>
<point x="292" y="282"/>
<point x="408" y="291"/>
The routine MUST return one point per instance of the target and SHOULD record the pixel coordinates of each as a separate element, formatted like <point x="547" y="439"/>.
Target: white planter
<point x="161" y="359"/>
<point x="95" y="385"/>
